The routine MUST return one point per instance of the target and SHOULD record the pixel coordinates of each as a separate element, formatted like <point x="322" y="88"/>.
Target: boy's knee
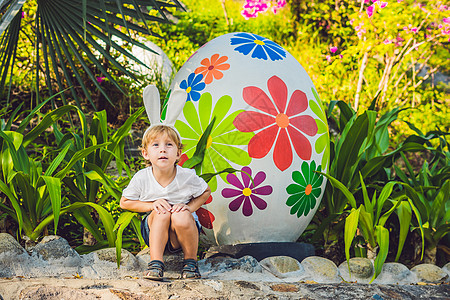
<point x="183" y="219"/>
<point x="162" y="217"/>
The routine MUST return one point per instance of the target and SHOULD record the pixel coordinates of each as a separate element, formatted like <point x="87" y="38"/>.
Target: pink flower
<point x="387" y="41"/>
<point x="398" y="1"/>
<point x="100" y="79"/>
<point x="383" y="4"/>
<point x="370" y="10"/>
<point x="414" y="29"/>
<point x="23" y="14"/>
<point x="333" y="49"/>
<point x="341" y="56"/>
<point x="328" y="58"/>
<point x="446" y="20"/>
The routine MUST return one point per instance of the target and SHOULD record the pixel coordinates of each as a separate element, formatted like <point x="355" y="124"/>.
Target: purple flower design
<point x="247" y="192"/>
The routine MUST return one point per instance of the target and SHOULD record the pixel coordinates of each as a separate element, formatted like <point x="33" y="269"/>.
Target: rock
<point x="285" y="288"/>
<point x="13" y="257"/>
<point x="446" y="269"/>
<point x="222" y="264"/>
<point x="54" y="247"/>
<point x="395" y="273"/>
<point x="283" y="266"/>
<point x="361" y="270"/>
<point x="321" y="270"/>
<point x="216" y="285"/>
<point x="56" y="292"/>
<point x="429" y="273"/>
<point x="9" y="245"/>
<point x="127" y="260"/>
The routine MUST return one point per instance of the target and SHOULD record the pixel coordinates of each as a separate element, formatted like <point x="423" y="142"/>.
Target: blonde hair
<point x="158" y="130"/>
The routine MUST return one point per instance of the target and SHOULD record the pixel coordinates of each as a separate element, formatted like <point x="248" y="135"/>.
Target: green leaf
<point x="337" y="184"/>
<point x="14" y="202"/>
<point x="383" y="243"/>
<point x="199" y="153"/>
<point x="77" y="156"/>
<point x="351" y="224"/>
<point x="437" y="211"/>
<point x="404" y="214"/>
<point x="384" y="195"/>
<point x="367" y="203"/>
<point x="419" y="220"/>
<point x="54" y="188"/>
<point x="122" y="223"/>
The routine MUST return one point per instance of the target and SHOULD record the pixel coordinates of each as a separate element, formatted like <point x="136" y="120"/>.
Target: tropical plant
<point x="360" y="147"/>
<point x="34" y="192"/>
<point x="70" y="34"/>
<point x="430" y="187"/>
<point x="371" y="217"/>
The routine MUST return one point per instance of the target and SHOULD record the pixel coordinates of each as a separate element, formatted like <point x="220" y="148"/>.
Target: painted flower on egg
<point x="281" y="124"/>
<point x="247" y="192"/>
<point x="323" y="142"/>
<point x="193" y="86"/>
<point x="212" y="68"/>
<point x="224" y="143"/>
<point x="305" y="190"/>
<point x="260" y="47"/>
<point x="205" y="217"/>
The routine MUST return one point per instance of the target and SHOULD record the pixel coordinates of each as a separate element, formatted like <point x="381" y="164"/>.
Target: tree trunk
<point x="429" y="256"/>
<point x="88" y="238"/>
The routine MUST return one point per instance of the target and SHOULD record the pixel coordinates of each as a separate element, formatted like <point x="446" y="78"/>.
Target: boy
<point x="171" y="194"/>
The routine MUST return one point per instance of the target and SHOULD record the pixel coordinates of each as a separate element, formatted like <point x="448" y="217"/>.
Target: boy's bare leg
<point x="184" y="233"/>
<point x="159" y="233"/>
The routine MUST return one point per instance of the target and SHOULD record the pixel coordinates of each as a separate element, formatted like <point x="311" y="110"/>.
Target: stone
<point x="283" y="266"/>
<point x="321" y="270"/>
<point x="222" y="264"/>
<point x="127" y="260"/>
<point x="395" y="273"/>
<point x="54" y="247"/>
<point x="56" y="292"/>
<point x="285" y="288"/>
<point x="9" y="245"/>
<point x="361" y="270"/>
<point x="260" y="251"/>
<point x="429" y="273"/>
<point x="446" y="269"/>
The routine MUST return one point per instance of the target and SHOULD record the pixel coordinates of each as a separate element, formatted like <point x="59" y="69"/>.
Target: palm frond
<point x="74" y="40"/>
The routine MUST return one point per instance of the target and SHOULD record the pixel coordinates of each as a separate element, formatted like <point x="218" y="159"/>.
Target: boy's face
<point x="162" y="152"/>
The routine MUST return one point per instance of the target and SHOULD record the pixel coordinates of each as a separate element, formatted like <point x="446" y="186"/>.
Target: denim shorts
<point x="145" y="230"/>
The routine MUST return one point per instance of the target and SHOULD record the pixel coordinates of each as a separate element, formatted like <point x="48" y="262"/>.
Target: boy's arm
<point x="160" y="205"/>
<point x="195" y="203"/>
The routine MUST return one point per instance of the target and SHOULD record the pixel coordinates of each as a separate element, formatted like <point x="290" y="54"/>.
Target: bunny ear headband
<point x="152" y="105"/>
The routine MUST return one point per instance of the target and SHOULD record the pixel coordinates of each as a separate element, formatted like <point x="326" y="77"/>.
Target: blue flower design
<point x="193" y="86"/>
<point x="260" y="46"/>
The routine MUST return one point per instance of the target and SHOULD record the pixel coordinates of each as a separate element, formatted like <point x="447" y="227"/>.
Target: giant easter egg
<point x="269" y="125"/>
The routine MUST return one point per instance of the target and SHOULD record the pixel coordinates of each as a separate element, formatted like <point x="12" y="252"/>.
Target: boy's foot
<point x="155" y="270"/>
<point x="190" y="269"/>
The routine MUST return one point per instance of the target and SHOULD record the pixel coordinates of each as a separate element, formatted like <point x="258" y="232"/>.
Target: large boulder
<point x="55" y="248"/>
<point x="321" y="270"/>
<point x="361" y="270"/>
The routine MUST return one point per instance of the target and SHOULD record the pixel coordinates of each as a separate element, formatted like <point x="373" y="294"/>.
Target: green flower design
<point x="225" y="142"/>
<point x="306" y="189"/>
<point x="323" y="142"/>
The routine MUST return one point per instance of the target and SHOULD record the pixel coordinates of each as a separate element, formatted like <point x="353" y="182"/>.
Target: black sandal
<point x="190" y="269"/>
<point x="155" y="270"/>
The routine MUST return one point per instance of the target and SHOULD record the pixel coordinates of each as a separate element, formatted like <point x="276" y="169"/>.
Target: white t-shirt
<point x="184" y="187"/>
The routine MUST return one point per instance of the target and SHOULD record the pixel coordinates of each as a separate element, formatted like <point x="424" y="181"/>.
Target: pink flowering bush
<point x="252" y="8"/>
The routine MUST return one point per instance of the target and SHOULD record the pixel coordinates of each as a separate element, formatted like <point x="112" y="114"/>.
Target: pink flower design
<point x="280" y="124"/>
<point x="247" y="191"/>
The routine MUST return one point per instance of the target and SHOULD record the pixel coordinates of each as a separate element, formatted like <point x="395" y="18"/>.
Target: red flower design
<point x="278" y="124"/>
<point x="206" y="217"/>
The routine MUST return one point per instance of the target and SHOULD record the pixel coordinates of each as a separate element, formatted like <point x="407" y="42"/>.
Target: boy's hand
<point x="179" y="207"/>
<point x="161" y="206"/>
